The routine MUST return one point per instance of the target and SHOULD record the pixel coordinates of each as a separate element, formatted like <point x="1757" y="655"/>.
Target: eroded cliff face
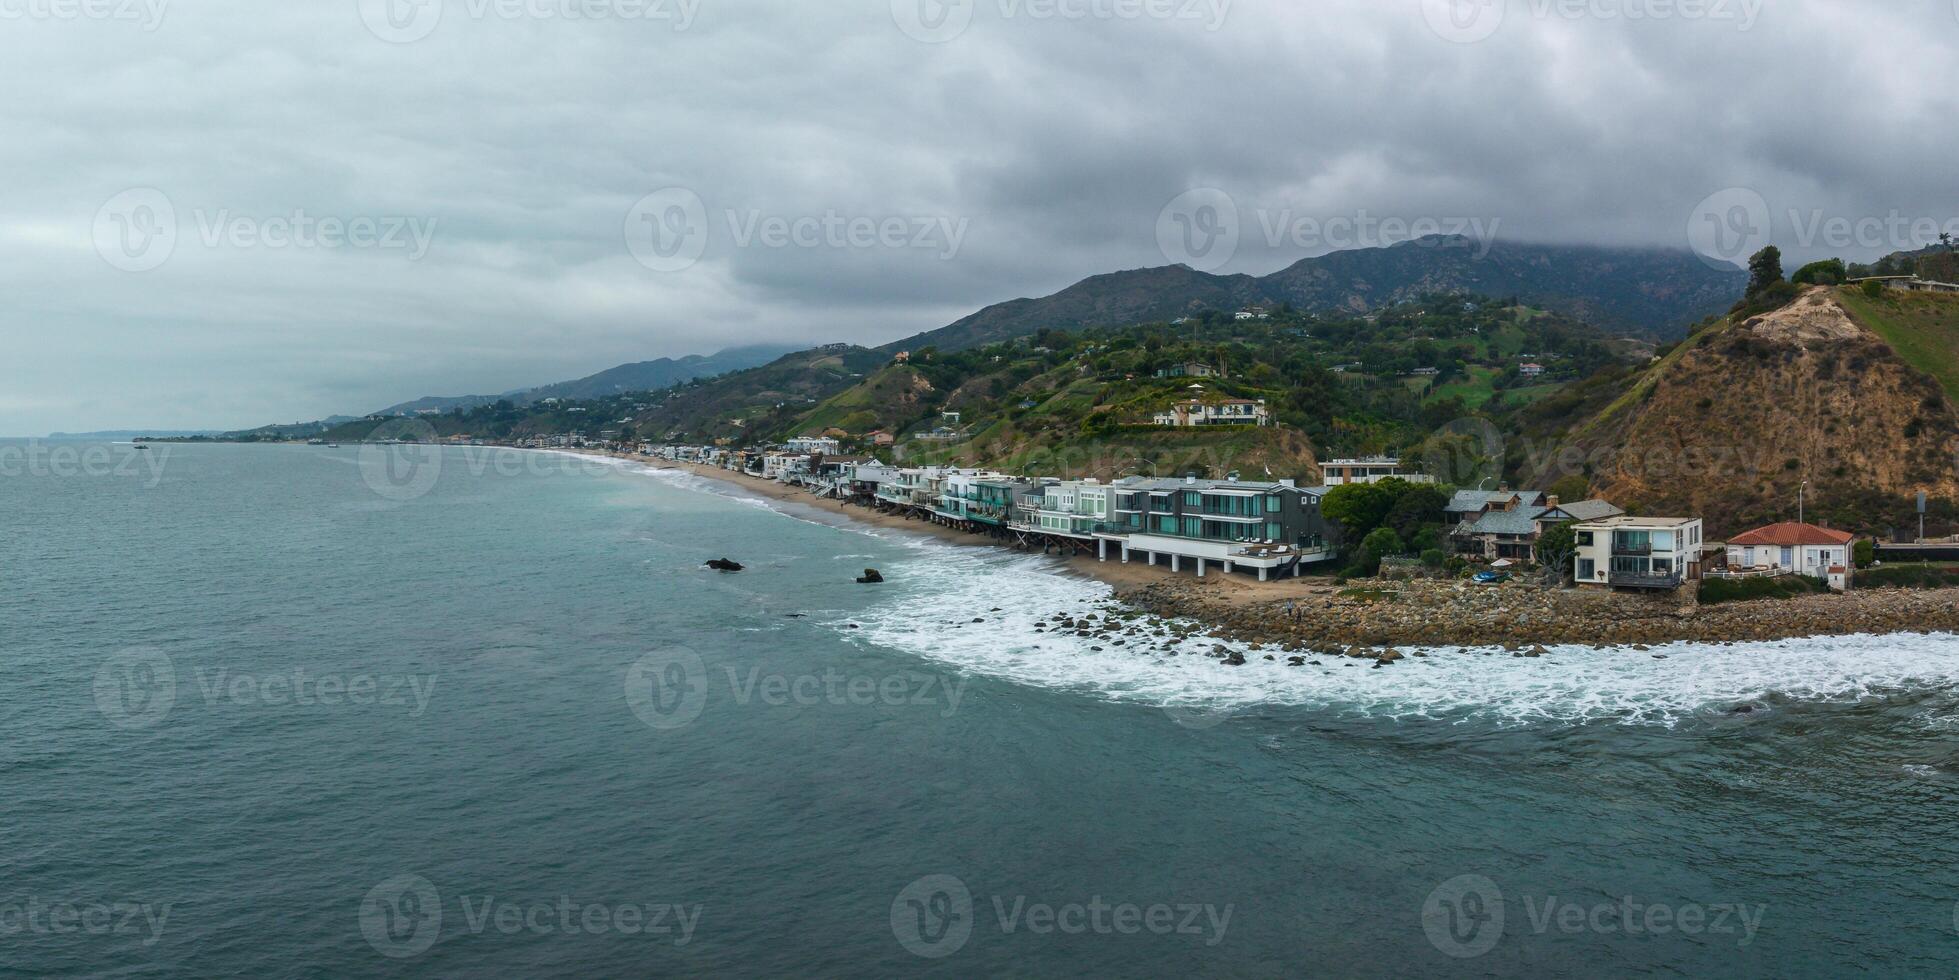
<point x="1730" y="428"/>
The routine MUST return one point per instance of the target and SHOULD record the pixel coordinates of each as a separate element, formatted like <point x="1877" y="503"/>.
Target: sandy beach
<point x="1124" y="578"/>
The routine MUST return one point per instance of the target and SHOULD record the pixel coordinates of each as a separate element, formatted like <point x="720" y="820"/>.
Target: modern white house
<point x="1076" y="508"/>
<point x="1371" y="469"/>
<point x="1793" y="549"/>
<point x="1223" y="411"/>
<point x="821" y="445"/>
<point x="1628" y="552"/>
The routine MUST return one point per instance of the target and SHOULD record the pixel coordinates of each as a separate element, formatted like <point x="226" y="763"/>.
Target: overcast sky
<point x="516" y="192"/>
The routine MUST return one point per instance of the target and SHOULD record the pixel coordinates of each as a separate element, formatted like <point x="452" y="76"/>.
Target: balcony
<point x="1646" y="580"/>
<point x="1632" y="550"/>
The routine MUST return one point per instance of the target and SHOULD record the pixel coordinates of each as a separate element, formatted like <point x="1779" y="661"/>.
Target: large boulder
<point x="724" y="565"/>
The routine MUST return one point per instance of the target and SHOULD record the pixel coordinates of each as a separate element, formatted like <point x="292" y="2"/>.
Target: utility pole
<point x="1799" y="501"/>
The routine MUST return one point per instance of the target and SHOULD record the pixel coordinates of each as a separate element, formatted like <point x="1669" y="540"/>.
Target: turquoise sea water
<point x="268" y="712"/>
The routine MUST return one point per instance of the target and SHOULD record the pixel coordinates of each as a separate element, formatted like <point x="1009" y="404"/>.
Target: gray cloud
<point x="1052" y="142"/>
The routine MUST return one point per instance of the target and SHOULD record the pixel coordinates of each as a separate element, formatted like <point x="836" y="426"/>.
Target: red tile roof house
<point x="1794" y="549"/>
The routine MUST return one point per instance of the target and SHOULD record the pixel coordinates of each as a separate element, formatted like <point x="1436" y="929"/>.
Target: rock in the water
<point x="724" y="565"/>
<point x="871" y="577"/>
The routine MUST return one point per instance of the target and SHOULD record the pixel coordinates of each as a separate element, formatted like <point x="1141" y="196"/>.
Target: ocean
<point x="304" y="712"/>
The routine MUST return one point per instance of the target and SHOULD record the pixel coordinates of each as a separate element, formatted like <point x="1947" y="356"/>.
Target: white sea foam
<point x="941" y="588"/>
<point x="944" y="589"/>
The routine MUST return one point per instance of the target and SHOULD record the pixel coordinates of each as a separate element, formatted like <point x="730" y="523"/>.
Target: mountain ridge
<point x="1633" y="291"/>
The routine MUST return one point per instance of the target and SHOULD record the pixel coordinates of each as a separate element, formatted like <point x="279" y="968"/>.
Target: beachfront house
<point x="1792" y="549"/>
<point x="1505" y="524"/>
<point x="1371" y="469"/>
<point x="1627" y="552"/>
<point x="1265" y="527"/>
<point x="1071" y="508"/>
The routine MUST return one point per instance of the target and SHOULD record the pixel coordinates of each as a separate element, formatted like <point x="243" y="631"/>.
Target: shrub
<point x="1909" y="577"/>
<point x="1873" y="290"/>
<point x="1863" y="553"/>
<point x="1434" y="557"/>
<point x="1717" y="590"/>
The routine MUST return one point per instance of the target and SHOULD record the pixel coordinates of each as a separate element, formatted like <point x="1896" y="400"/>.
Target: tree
<point x="1863" y="553"/>
<point x="1572" y="487"/>
<point x="1828" y="272"/>
<point x="1382" y="543"/>
<point x="1358" y="508"/>
<point x="1555" y="548"/>
<point x="1764" y="270"/>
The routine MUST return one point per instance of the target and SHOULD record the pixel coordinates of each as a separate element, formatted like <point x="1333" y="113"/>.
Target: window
<point x="1272" y="532"/>
<point x="1272" y="504"/>
<point x="1193" y="499"/>
<point x="1587" y="569"/>
<point x="1584" y="540"/>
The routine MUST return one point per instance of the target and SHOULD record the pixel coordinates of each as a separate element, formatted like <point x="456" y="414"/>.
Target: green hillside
<point x="1922" y="327"/>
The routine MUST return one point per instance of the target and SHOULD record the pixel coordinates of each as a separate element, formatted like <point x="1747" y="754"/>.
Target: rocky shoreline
<point x="1451" y="613"/>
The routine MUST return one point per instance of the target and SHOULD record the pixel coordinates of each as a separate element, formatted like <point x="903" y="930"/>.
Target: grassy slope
<point x="1922" y="327"/>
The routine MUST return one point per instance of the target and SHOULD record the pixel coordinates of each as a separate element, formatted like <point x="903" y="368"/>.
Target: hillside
<point x="1084" y="402"/>
<point x="1632" y="292"/>
<point x="1731" y="423"/>
<point x="643" y="376"/>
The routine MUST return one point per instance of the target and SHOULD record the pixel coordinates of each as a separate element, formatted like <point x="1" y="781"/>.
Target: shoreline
<point x="1318" y="615"/>
<point x="1124" y="578"/>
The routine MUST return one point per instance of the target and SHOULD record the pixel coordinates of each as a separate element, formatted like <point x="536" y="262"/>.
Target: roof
<point x="1166" y="485"/>
<point x="1635" y="523"/>
<point x="1791" y="534"/>
<point x="1588" y="510"/>
<point x="1473" y="500"/>
<point x="1523" y="520"/>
